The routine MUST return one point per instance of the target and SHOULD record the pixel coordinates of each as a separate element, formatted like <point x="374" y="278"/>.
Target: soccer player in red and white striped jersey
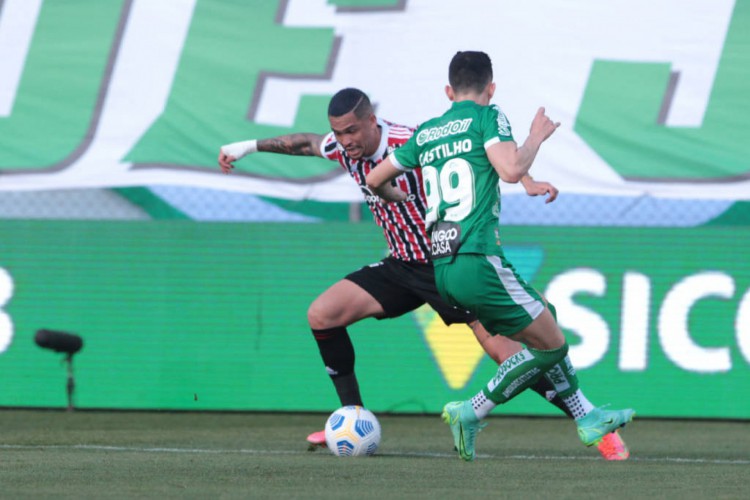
<point x="399" y="283"/>
<point x="402" y="223"/>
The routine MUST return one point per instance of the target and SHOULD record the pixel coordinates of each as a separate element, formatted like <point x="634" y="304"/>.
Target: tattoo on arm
<point x="292" y="144"/>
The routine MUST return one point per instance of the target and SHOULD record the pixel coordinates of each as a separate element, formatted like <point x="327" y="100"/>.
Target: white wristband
<point x="240" y="149"/>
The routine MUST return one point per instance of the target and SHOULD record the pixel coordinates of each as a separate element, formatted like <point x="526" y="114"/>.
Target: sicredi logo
<point x="645" y="325"/>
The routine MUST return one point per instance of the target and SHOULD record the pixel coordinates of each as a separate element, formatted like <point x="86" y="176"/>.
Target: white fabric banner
<point x="545" y="53"/>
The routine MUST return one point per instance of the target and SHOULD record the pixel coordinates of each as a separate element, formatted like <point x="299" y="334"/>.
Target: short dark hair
<point x="348" y="100"/>
<point x="470" y="71"/>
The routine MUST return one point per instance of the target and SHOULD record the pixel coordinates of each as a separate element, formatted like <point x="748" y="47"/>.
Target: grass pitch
<point x="46" y="454"/>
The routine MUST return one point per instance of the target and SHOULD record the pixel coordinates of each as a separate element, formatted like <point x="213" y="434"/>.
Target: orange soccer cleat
<point x="612" y="447"/>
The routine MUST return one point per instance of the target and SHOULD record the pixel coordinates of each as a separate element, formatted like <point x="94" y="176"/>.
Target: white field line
<point x="138" y="449"/>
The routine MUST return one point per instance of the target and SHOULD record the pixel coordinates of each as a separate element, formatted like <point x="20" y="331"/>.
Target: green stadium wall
<point x="178" y="315"/>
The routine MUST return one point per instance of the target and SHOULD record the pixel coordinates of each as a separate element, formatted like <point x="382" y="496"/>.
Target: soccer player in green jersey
<point x="463" y="154"/>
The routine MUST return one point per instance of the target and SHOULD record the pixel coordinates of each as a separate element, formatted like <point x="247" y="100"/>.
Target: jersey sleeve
<point x="406" y="157"/>
<point x="495" y="126"/>
<point x="329" y="147"/>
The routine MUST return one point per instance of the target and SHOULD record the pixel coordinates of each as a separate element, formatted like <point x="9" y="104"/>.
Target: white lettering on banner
<point x="636" y="302"/>
<point x="674" y="334"/>
<point x="587" y="324"/>
<point x="672" y="322"/>
<point x="742" y="324"/>
<point x="6" y="324"/>
<point x="17" y="23"/>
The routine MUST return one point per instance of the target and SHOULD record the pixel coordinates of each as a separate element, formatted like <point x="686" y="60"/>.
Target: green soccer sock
<point x="563" y="378"/>
<point x="521" y="371"/>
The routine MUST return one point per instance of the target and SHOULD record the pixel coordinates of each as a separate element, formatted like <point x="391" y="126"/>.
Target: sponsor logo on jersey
<point x="451" y="128"/>
<point x="503" y="126"/>
<point x="371" y="197"/>
<point x="446" y="238"/>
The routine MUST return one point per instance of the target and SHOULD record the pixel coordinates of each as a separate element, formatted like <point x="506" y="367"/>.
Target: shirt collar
<point x="383" y="146"/>
<point x="463" y="104"/>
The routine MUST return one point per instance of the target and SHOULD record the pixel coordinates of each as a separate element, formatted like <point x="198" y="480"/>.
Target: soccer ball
<point x="352" y="431"/>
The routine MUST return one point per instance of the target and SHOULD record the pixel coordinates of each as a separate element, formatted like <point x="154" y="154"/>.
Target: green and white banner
<point x="653" y="293"/>
<point x="653" y="95"/>
<point x="212" y="316"/>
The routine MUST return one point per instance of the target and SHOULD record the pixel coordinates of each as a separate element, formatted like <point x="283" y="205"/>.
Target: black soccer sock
<point x="337" y="352"/>
<point x="545" y="389"/>
<point x="347" y="388"/>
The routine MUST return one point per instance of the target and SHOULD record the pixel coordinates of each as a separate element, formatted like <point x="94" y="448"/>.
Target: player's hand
<point x="542" y="126"/>
<point x="229" y="153"/>
<point x="387" y="193"/>
<point x="226" y="162"/>
<point x="535" y="188"/>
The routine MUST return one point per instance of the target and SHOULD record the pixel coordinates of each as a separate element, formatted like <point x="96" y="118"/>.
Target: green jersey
<point x="461" y="186"/>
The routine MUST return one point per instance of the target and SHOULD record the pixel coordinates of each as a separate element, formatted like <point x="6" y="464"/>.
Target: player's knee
<point x="500" y="348"/>
<point x="316" y="317"/>
<point x="320" y="317"/>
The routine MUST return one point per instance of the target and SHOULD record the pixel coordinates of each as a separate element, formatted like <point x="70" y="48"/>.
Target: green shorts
<point x="489" y="287"/>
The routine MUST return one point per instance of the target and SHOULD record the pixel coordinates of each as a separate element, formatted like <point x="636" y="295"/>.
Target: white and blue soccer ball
<point x="352" y="431"/>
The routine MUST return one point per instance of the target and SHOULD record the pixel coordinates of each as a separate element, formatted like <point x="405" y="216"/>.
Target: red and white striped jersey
<point x="403" y="223"/>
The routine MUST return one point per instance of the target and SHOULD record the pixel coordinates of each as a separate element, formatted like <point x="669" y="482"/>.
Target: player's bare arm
<point x="390" y="193"/>
<point x="512" y="162"/>
<point x="293" y="144"/>
<point x="301" y="144"/>
<point x="379" y="181"/>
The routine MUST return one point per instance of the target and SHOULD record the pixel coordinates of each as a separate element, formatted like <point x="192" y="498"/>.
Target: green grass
<point x="46" y="454"/>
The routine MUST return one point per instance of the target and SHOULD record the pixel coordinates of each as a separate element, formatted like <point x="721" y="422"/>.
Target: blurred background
<point x="190" y="287"/>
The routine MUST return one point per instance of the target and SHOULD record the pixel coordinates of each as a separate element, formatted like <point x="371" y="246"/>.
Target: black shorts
<point x="401" y="287"/>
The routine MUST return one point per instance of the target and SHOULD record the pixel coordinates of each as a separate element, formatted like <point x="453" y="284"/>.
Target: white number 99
<point x="455" y="187"/>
